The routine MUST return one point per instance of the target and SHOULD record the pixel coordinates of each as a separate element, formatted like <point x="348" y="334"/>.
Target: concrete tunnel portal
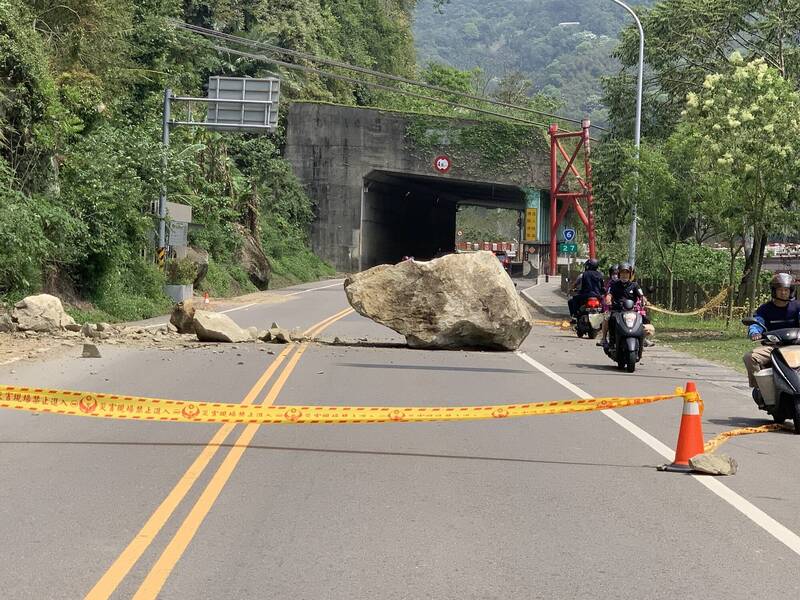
<point x="405" y="214"/>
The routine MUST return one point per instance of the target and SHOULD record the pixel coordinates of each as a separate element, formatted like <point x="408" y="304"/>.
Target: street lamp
<point x="637" y="130"/>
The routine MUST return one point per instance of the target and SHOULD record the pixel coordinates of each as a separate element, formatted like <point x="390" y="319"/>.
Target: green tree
<point x="743" y="127"/>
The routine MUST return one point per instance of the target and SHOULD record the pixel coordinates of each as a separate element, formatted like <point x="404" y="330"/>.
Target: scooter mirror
<point x="628" y="304"/>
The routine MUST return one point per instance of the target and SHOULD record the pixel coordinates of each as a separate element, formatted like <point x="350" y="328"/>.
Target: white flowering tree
<point x="744" y="128"/>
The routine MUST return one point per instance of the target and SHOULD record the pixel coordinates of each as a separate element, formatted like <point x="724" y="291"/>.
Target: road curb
<point x="540" y="307"/>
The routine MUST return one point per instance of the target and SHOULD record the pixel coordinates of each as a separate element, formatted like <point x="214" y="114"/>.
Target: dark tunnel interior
<point x="415" y="215"/>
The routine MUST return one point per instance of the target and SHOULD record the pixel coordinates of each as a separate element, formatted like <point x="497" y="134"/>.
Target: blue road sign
<point x="569" y="235"/>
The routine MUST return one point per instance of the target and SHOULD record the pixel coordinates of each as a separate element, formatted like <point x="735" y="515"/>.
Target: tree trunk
<point x="750" y="266"/>
<point x="759" y="243"/>
<point x="731" y="276"/>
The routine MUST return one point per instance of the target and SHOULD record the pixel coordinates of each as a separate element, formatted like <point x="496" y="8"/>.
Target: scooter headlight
<point x="629" y="319"/>
<point x="773" y="338"/>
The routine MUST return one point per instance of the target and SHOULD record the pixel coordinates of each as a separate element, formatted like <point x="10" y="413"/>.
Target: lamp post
<point x="637" y="129"/>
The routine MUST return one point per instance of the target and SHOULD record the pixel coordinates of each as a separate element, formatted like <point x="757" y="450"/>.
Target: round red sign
<point x="441" y="164"/>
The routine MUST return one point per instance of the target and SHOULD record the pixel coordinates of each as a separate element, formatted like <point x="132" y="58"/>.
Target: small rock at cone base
<point x="90" y="351"/>
<point x="714" y="464"/>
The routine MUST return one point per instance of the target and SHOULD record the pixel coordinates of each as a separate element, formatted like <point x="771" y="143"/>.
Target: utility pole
<point x="162" y="199"/>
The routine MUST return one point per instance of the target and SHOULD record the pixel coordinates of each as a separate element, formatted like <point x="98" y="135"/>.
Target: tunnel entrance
<point x="415" y="215"/>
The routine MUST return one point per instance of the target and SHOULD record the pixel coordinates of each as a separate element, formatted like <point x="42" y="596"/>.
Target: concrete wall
<point x="332" y="148"/>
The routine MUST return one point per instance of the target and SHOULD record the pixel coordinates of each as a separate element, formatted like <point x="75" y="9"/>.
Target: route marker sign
<point x="569" y="235"/>
<point x="568" y="248"/>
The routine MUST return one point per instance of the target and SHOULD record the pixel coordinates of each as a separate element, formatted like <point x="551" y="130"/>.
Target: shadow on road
<point x="432" y="368"/>
<point x="741" y="422"/>
<point x="335" y="451"/>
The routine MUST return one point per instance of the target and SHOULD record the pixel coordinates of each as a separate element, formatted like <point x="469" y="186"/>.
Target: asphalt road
<point x="543" y="507"/>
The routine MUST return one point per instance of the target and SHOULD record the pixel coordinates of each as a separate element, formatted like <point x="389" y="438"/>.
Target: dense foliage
<point x="81" y="86"/>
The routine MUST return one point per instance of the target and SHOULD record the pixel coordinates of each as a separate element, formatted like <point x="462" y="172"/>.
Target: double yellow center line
<point x="172" y="553"/>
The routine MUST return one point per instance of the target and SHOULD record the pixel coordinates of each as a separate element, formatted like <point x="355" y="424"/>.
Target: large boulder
<point x="253" y="260"/>
<point x="457" y="301"/>
<point x="40" y="313"/>
<point x="182" y="317"/>
<point x="216" y="327"/>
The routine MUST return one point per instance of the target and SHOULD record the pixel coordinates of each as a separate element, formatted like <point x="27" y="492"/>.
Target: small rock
<point x="6" y="324"/>
<point x="74" y="327"/>
<point x="253" y="331"/>
<point x="89" y="331"/>
<point x="714" y="464"/>
<point x="240" y="363"/>
<point x="90" y="351"/>
<point x="271" y="352"/>
<point x="103" y="327"/>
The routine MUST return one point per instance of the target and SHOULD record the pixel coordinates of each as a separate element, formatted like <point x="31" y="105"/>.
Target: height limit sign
<point x="441" y="163"/>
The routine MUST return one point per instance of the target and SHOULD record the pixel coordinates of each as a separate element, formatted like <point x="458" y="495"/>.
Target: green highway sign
<point x="568" y="248"/>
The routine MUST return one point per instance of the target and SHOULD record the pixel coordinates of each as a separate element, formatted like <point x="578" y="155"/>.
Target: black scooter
<point x="778" y="393"/>
<point x="625" y="336"/>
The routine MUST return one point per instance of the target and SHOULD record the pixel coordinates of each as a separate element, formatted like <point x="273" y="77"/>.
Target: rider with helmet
<point x="780" y="312"/>
<point x="613" y="275"/>
<point x="591" y="284"/>
<point x="619" y="290"/>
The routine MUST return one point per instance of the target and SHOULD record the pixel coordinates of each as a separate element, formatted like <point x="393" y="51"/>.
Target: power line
<point x="296" y="53"/>
<point x="380" y="86"/>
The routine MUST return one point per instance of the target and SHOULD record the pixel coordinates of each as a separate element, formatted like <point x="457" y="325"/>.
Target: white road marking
<point x="780" y="532"/>
<point x="222" y="311"/>
<point x="254" y="303"/>
<point x="324" y="287"/>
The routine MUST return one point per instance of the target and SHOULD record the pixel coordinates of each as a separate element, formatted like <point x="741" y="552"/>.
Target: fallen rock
<point x="89" y="331"/>
<point x="40" y="313"/>
<point x="103" y="327"/>
<point x="714" y="464"/>
<point x="182" y="317"/>
<point x="253" y="331"/>
<point x="216" y="327"/>
<point x="200" y="258"/>
<point x="90" y="351"/>
<point x="278" y="335"/>
<point x="74" y="327"/>
<point x="6" y="324"/>
<point x="253" y="260"/>
<point x="456" y="301"/>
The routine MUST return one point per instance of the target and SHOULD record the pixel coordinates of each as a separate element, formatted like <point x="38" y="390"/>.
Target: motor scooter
<point x="778" y="389"/>
<point x="625" y="336"/>
<point x="589" y="318"/>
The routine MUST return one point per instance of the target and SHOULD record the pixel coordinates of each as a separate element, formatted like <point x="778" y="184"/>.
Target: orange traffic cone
<point x="690" y="436"/>
<point x="205" y="298"/>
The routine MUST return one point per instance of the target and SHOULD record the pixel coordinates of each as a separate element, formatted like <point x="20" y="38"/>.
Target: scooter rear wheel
<point x="796" y="415"/>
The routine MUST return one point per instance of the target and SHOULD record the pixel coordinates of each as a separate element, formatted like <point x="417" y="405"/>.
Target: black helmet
<point x="613" y="270"/>
<point x="780" y="280"/>
<point x="626" y="266"/>
<point x="591" y="264"/>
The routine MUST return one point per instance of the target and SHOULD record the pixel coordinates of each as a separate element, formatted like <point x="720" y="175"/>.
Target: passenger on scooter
<point x="781" y="312"/>
<point x="591" y="282"/>
<point x="619" y="290"/>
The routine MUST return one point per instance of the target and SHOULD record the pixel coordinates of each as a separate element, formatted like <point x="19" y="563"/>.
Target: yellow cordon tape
<point x="712" y="444"/>
<point x="107" y="406"/>
<point x="713" y="303"/>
